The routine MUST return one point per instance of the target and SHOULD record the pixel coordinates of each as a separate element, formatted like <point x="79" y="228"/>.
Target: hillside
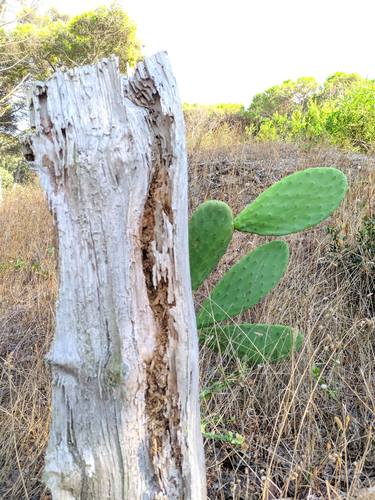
<point x="303" y="428"/>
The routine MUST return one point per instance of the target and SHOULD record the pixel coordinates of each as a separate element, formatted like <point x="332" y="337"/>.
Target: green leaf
<point x="298" y="201"/>
<point x="210" y="231"/>
<point x="227" y="437"/>
<point x="254" y="343"/>
<point x="246" y="283"/>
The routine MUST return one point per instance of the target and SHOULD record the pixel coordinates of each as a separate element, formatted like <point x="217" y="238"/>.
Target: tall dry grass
<point x="27" y="302"/>
<point x="207" y="129"/>
<point x="305" y="426"/>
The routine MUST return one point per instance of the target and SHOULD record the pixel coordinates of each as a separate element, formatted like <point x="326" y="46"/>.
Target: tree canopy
<point x="284" y="98"/>
<point x="47" y="42"/>
<point x="38" y="44"/>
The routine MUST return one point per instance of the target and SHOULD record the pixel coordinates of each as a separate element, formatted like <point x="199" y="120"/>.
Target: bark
<point x="110" y="153"/>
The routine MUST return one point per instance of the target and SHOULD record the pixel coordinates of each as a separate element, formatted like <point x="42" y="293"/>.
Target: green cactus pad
<point x="297" y="202"/>
<point x="210" y="231"/>
<point x="246" y="283"/>
<point x="254" y="344"/>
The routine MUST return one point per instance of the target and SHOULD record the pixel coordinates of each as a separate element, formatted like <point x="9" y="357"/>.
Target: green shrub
<point x="6" y="179"/>
<point x="340" y="112"/>
<point x="352" y="123"/>
<point x="267" y="131"/>
<point x="356" y="261"/>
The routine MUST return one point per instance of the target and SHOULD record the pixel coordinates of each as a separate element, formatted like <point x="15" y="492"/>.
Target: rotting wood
<point x="110" y="153"/>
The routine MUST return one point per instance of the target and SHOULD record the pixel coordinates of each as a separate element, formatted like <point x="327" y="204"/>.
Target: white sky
<point x="226" y="51"/>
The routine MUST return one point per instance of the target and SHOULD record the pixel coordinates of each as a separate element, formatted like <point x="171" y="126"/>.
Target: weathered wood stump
<point x="110" y="153"/>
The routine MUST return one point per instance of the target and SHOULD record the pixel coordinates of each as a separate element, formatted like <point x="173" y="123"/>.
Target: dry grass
<point x="303" y="434"/>
<point x="208" y="130"/>
<point x="27" y="298"/>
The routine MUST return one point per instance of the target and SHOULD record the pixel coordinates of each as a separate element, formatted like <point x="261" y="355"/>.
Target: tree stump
<point x="110" y="153"/>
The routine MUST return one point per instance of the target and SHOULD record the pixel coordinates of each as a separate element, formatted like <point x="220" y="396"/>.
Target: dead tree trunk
<point x="110" y="153"/>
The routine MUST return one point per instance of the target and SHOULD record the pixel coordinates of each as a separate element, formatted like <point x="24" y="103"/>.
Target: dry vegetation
<point x="306" y="426"/>
<point x="27" y="302"/>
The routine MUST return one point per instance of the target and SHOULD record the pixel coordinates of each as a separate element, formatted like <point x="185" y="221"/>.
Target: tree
<point x="338" y="84"/>
<point x="39" y="44"/>
<point x="283" y="99"/>
<point x="125" y="398"/>
<point x="53" y="40"/>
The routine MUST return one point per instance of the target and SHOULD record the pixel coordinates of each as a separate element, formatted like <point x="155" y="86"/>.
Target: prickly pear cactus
<point x="210" y="231"/>
<point x="297" y="202"/>
<point x="246" y="283"/>
<point x="254" y="343"/>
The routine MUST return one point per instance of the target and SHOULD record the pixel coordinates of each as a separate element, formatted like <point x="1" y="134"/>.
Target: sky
<point x="227" y="51"/>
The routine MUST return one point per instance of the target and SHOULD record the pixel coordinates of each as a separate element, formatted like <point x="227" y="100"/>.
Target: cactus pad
<point x="297" y="202"/>
<point x="210" y="231"/>
<point x="246" y="283"/>
<point x="254" y="344"/>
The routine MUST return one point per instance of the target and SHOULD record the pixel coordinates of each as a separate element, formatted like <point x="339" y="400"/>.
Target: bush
<point x="356" y="261"/>
<point x="16" y="167"/>
<point x="6" y="179"/>
<point x="352" y="123"/>
<point x="340" y="112"/>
